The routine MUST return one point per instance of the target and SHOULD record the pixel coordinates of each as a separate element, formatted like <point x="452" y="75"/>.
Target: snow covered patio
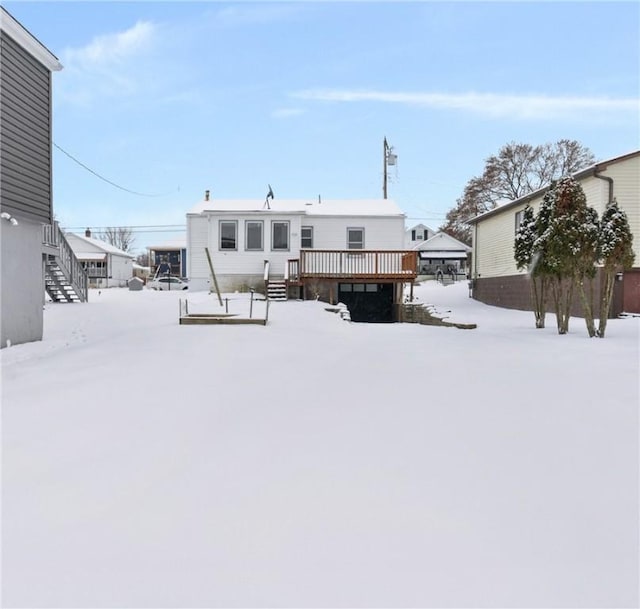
<point x="315" y="462"/>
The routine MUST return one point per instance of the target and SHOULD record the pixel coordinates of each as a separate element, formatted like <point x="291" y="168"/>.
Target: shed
<point x="135" y="284"/>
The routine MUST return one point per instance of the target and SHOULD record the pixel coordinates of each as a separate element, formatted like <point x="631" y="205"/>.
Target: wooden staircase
<point x="276" y="290"/>
<point x="64" y="278"/>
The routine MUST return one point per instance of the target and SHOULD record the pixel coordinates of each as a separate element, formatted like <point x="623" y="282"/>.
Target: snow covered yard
<point x="315" y="462"/>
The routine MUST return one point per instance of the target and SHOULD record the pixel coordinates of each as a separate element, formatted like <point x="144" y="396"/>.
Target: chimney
<point x="206" y="195"/>
<point x="87" y="233"/>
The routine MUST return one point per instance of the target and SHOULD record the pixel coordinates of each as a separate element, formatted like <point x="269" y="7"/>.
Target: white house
<point x="417" y="234"/>
<point x="332" y="244"/>
<point x="442" y="252"/>
<point x="106" y="265"/>
<point x="497" y="281"/>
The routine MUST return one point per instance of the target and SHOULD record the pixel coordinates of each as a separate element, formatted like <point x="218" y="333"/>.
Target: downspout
<point x="608" y="179"/>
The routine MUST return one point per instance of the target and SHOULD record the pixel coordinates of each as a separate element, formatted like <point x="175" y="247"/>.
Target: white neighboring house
<point x="336" y="243"/>
<point x="106" y="265"/>
<point x="442" y="252"/>
<point x="417" y="234"/>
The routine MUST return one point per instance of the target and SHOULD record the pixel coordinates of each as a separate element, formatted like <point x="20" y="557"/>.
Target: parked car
<point x="167" y="283"/>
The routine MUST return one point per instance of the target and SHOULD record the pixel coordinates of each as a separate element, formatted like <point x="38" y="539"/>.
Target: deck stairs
<point x="276" y="289"/>
<point x="64" y="278"/>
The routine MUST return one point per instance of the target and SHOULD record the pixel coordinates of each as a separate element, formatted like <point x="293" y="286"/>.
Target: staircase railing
<point x="66" y="260"/>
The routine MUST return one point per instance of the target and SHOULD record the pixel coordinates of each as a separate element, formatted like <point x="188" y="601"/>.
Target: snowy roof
<point x="172" y="244"/>
<point x="324" y="207"/>
<point x="578" y="175"/>
<point x="91" y="256"/>
<point x="99" y="243"/>
<point x="442" y="242"/>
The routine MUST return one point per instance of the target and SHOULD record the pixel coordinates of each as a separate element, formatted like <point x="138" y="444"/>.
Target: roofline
<point x="28" y="41"/>
<point x="92" y="241"/>
<point x="578" y="175"/>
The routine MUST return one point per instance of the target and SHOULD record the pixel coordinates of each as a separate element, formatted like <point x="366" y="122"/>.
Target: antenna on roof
<point x="269" y="195"/>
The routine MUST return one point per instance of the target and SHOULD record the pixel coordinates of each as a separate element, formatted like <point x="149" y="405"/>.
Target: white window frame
<point x="302" y="237"/>
<point x="518" y="219"/>
<point x="233" y="223"/>
<point x="247" y="223"/>
<point x="352" y="244"/>
<point x="275" y="223"/>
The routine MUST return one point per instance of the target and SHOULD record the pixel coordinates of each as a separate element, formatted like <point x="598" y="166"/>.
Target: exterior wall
<point x="119" y="271"/>
<point x="25" y="133"/>
<point x="21" y="282"/>
<point x="330" y="232"/>
<point x="240" y="269"/>
<point x="513" y="292"/>
<point x="25" y="178"/>
<point x="498" y="282"/>
<point x="494" y="237"/>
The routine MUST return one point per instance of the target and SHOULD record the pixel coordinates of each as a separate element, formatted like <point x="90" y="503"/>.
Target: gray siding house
<point x="25" y="178"/>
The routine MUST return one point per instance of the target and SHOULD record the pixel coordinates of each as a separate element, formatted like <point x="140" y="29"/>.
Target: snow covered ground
<point x="315" y="462"/>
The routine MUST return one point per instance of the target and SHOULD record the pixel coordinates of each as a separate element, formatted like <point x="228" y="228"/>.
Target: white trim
<point x="28" y="42"/>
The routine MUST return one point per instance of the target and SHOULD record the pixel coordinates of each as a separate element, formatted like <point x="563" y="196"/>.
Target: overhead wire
<point x="95" y="173"/>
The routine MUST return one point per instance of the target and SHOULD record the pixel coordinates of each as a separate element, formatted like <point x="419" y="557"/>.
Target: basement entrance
<point x="368" y="302"/>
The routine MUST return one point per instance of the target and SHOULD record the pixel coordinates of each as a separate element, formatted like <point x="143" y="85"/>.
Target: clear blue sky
<point x="173" y="98"/>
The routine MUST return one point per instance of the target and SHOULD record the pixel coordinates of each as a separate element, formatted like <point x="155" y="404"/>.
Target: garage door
<point x="368" y="302"/>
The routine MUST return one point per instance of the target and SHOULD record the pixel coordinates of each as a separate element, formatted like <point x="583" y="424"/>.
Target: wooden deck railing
<point x="362" y="264"/>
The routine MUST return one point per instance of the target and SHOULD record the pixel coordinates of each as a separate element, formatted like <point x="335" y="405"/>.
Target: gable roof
<point x="578" y="175"/>
<point x="322" y="207"/>
<point x="99" y="244"/>
<point x="442" y="241"/>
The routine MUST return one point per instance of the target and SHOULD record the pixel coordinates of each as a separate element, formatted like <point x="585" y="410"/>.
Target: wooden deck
<point x="372" y="265"/>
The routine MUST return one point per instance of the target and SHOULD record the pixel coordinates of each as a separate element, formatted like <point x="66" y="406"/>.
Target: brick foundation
<point x="513" y="292"/>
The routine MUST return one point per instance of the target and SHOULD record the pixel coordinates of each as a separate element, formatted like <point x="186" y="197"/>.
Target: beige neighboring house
<point x="106" y="265"/>
<point x="497" y="281"/>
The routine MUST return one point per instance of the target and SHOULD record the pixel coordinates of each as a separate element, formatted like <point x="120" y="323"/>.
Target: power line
<point x="133" y="192"/>
<point x="176" y="226"/>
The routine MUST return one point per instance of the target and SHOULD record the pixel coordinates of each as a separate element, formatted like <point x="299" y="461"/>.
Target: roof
<point x="444" y="254"/>
<point x="103" y="245"/>
<point x="317" y="207"/>
<point x="578" y="175"/>
<point x="27" y="41"/>
<point x="91" y="256"/>
<point x="174" y="244"/>
<point x="442" y="242"/>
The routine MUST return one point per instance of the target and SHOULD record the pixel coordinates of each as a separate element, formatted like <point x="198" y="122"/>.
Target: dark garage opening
<point x="368" y="302"/>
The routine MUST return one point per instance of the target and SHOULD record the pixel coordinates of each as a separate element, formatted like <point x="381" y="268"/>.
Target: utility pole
<point x="388" y="158"/>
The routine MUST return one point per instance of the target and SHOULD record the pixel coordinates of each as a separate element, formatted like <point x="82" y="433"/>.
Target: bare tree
<point x="143" y="259"/>
<point x="517" y="170"/>
<point x="118" y="236"/>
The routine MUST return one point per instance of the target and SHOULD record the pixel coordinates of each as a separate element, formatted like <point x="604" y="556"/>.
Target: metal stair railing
<point x="66" y="260"/>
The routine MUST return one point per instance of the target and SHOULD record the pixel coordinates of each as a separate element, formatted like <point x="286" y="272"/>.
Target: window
<point x="253" y="235"/>
<point x="355" y="238"/>
<point x="228" y="235"/>
<point x="279" y="235"/>
<point x="519" y="217"/>
<point x="306" y="237"/>
<point x="413" y="235"/>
